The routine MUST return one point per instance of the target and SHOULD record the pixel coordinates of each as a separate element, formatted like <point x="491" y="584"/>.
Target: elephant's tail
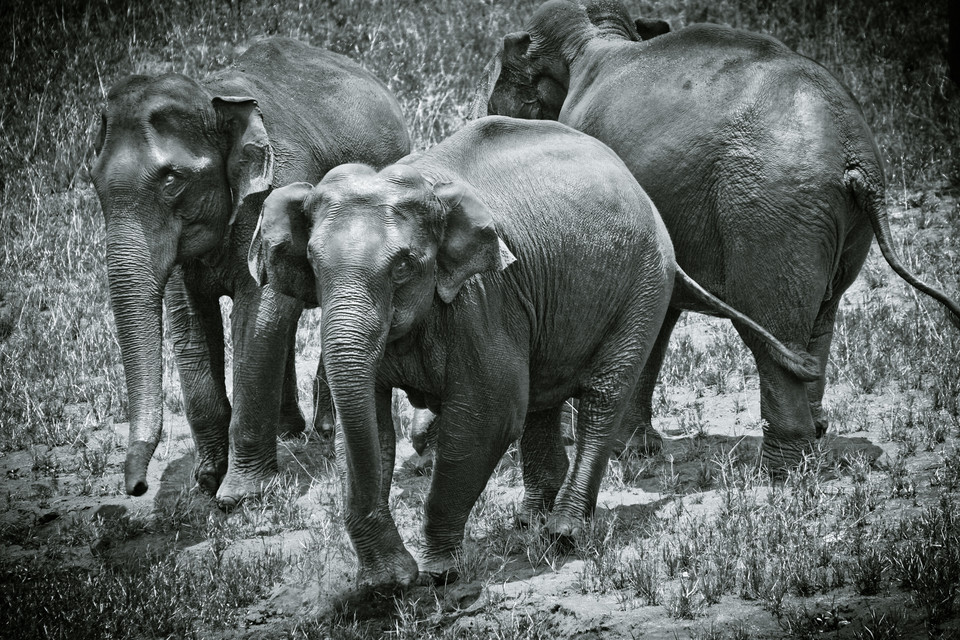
<point x="872" y="202"/>
<point x="800" y="363"/>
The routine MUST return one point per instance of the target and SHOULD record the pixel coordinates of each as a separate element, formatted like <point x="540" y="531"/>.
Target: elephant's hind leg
<point x="292" y="422"/>
<point x="599" y="416"/>
<point x="545" y="464"/>
<point x="857" y="244"/>
<point x="636" y="433"/>
<point x="819" y="347"/>
<point x="197" y="330"/>
<point x="788" y="429"/>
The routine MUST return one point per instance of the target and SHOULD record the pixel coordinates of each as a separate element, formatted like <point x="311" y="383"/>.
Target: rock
<point x="255" y="617"/>
<point x="109" y="512"/>
<point x="422" y="465"/>
<point x="49" y="516"/>
<point x="461" y="596"/>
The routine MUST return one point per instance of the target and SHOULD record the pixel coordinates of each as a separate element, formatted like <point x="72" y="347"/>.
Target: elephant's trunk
<point x="353" y="337"/>
<point x="136" y="293"/>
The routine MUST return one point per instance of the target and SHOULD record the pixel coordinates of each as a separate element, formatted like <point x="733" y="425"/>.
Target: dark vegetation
<point x="883" y="531"/>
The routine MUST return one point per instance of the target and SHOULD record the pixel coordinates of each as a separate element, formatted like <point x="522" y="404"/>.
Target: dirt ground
<point x="45" y="494"/>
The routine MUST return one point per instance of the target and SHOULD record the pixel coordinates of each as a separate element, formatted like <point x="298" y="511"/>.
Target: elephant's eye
<point x="404" y="269"/>
<point x="171" y="182"/>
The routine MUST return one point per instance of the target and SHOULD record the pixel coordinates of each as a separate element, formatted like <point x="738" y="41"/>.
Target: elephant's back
<point x="539" y="175"/>
<point x="724" y="129"/>
<point x="592" y="254"/>
<point x="321" y="109"/>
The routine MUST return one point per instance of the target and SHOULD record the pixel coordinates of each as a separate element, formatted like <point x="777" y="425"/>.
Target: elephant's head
<point x="387" y="241"/>
<point x="530" y="75"/>
<point x="173" y="167"/>
<point x="375" y="251"/>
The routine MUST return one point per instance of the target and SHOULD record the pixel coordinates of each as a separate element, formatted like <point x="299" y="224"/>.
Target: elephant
<point x="759" y="160"/>
<point x="512" y="266"/>
<point x="182" y="168"/>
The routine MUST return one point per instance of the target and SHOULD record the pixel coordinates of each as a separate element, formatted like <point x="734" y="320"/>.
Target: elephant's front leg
<point x="196" y="328"/>
<point x="292" y="422"/>
<point x="263" y="321"/>
<point x="384" y="561"/>
<point x="471" y="440"/>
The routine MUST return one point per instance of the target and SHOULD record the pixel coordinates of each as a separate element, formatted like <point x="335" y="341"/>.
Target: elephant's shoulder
<point x="278" y="52"/>
<point x="714" y="39"/>
<point x="503" y="131"/>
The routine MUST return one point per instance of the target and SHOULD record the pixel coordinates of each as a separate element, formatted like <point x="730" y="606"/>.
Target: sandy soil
<point x="43" y="494"/>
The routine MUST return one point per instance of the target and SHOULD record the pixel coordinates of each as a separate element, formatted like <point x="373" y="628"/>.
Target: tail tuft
<point x="807" y="369"/>
<point x="952" y="316"/>
<point x="798" y="362"/>
<point x="871" y="200"/>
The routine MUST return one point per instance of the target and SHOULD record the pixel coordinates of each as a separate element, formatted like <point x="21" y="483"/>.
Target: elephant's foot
<point x="291" y="424"/>
<point x="535" y="508"/>
<point x="238" y="486"/>
<point x="644" y="443"/>
<point x="438" y="569"/>
<point x="779" y="460"/>
<point x="209" y="472"/>
<point x="563" y="527"/>
<point x="392" y="570"/>
<point x="821" y="425"/>
<point x="325" y="428"/>
<point x="527" y="518"/>
<point x="820" y="422"/>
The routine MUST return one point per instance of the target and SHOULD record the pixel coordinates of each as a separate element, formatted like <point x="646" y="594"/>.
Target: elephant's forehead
<point x="138" y="93"/>
<point x="396" y="188"/>
<point x="353" y="233"/>
<point x="557" y="17"/>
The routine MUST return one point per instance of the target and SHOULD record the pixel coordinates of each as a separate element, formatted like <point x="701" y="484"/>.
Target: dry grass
<point x="717" y="535"/>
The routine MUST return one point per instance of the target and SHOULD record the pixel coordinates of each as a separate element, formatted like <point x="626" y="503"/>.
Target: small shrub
<point x="642" y="576"/>
<point x="685" y="602"/>
<point x="869" y="569"/>
<point x="882" y="625"/>
<point x="926" y="559"/>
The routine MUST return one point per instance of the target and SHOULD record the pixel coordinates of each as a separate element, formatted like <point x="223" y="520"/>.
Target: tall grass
<point x="61" y="375"/>
<point x="60" y="58"/>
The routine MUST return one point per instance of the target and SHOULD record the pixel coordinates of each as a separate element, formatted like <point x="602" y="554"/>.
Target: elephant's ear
<point x="651" y="28"/>
<point x="488" y="80"/>
<point x="278" y="251"/>
<point x="250" y="158"/>
<point x="515" y="45"/>
<point x="101" y="135"/>
<point x="470" y="243"/>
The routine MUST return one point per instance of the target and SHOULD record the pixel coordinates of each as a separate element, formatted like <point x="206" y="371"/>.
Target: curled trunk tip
<point x="135" y="469"/>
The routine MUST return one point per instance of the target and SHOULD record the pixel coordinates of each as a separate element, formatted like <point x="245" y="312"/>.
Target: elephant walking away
<point x="575" y="273"/>
<point x="182" y="170"/>
<point x="759" y="160"/>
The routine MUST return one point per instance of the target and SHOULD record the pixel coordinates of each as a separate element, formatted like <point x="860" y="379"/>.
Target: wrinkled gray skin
<point x="182" y="170"/>
<point x="758" y="159"/>
<point x="392" y="257"/>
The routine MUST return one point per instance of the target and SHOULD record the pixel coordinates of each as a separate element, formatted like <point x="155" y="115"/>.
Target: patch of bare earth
<point x="652" y="563"/>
